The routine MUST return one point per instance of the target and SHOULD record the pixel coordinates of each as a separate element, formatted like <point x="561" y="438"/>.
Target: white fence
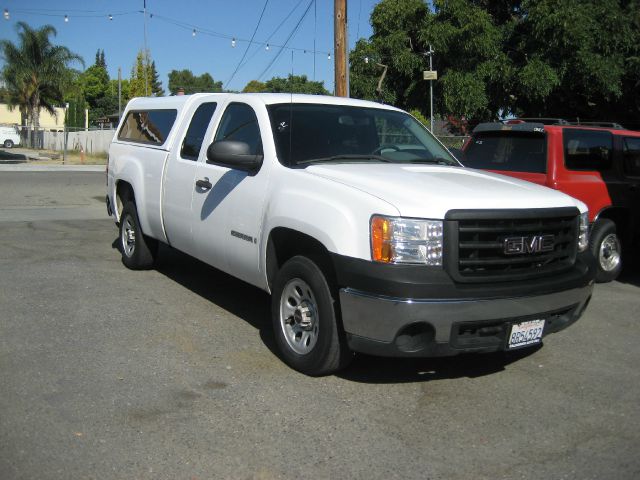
<point x="91" y="141"/>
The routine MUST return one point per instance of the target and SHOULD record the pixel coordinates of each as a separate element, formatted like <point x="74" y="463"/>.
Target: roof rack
<point x="544" y="121"/>
<point x="599" y="124"/>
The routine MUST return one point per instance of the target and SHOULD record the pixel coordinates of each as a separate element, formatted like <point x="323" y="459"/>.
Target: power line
<point x="249" y="44"/>
<point x="293" y="32"/>
<point x="274" y="32"/>
<point x="73" y="14"/>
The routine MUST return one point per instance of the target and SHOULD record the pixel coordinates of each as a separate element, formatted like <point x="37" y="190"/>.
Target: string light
<point x="233" y="43"/>
<point x="267" y="47"/>
<point x="328" y="56"/>
<point x="193" y="34"/>
<point x="6" y="14"/>
<point x="66" y="19"/>
<point x="110" y="17"/>
<point x="366" y="59"/>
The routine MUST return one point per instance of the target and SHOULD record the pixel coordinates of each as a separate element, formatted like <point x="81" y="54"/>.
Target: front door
<point x="227" y="207"/>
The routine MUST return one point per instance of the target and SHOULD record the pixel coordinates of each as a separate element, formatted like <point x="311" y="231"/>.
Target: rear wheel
<point x="305" y="319"/>
<point x="138" y="250"/>
<point x="607" y="249"/>
<point x="8" y="144"/>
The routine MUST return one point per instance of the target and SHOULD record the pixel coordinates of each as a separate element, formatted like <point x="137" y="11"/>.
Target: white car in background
<point x="9" y="136"/>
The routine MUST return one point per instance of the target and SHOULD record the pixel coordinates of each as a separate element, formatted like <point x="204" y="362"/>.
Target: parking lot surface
<point x="171" y="373"/>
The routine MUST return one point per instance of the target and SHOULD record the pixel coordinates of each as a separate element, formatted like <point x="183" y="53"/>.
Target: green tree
<point x="140" y="82"/>
<point x="254" y="86"/>
<point x="192" y="84"/>
<point x="36" y="72"/>
<point x="395" y="44"/>
<point x="95" y="83"/>
<point x="534" y="57"/>
<point x="587" y="51"/>
<point x="156" y="84"/>
<point x="295" y="84"/>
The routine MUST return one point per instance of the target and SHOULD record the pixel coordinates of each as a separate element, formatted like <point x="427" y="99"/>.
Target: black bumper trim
<point x="420" y="281"/>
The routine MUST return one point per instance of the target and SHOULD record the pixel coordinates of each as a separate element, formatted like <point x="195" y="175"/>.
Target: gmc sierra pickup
<point x="366" y="231"/>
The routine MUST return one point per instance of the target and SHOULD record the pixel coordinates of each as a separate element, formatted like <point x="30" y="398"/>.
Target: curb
<point x="51" y="168"/>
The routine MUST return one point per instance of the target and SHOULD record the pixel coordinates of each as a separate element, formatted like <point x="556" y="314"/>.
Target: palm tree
<point x="36" y="71"/>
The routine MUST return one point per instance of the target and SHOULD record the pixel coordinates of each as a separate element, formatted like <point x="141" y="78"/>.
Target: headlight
<point x="405" y="240"/>
<point x="583" y="232"/>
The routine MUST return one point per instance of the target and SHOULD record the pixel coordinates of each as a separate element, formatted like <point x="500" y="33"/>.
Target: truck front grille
<point x="476" y="246"/>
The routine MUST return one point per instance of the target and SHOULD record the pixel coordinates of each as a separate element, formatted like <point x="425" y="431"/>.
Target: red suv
<point x="600" y="166"/>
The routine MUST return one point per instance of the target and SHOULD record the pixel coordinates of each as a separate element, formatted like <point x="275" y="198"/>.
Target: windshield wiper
<point x="436" y="160"/>
<point x="350" y="157"/>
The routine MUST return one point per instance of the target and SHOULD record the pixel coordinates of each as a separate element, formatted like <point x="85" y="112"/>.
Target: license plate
<point x="525" y="334"/>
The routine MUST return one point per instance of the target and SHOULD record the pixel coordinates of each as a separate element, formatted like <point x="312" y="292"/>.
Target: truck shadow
<point x="253" y="306"/>
<point x="631" y="271"/>
<point x="235" y="296"/>
<point x="380" y="370"/>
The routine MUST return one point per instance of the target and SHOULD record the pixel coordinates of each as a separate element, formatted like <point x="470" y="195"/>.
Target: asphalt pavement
<point x="108" y="373"/>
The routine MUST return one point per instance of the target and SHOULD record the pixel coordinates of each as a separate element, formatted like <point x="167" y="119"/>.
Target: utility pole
<point x="119" y="93"/>
<point x="146" y="56"/>
<point x="340" y="47"/>
<point x="431" y="76"/>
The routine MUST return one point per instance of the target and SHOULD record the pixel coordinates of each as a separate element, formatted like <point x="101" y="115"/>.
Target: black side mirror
<point x="234" y="154"/>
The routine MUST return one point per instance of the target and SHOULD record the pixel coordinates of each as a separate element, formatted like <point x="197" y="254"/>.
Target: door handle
<point x="204" y="184"/>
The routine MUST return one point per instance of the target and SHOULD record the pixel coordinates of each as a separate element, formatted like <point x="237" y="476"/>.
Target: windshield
<point x="316" y="133"/>
<point x="510" y="151"/>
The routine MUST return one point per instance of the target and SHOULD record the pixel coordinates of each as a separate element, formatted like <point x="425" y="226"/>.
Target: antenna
<point x="291" y="113"/>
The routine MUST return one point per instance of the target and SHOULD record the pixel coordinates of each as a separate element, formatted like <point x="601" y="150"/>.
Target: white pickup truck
<point x="366" y="231"/>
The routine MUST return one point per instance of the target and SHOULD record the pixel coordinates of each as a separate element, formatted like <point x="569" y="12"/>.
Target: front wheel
<point x="305" y="319"/>
<point x="606" y="248"/>
<point x="138" y="250"/>
<point x="8" y="144"/>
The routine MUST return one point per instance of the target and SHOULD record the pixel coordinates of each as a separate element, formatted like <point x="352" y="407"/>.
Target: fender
<point x="334" y="214"/>
<point x="130" y="169"/>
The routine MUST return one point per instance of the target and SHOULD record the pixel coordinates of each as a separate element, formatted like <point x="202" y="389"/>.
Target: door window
<point x="587" y="149"/>
<point x="631" y="155"/>
<point x="195" y="133"/>
<point x="239" y="123"/>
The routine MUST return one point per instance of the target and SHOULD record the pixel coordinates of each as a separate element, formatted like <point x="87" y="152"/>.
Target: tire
<point x="8" y="144"/>
<point x="607" y="250"/>
<point x="305" y="319"/>
<point x="138" y="250"/>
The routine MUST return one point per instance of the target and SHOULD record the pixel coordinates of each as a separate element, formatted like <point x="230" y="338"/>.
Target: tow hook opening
<point x="415" y="337"/>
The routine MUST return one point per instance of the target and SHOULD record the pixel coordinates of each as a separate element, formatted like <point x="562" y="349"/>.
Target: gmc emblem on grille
<point x="522" y="245"/>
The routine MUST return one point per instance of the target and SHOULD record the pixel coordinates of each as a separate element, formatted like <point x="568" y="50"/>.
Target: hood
<point x="429" y="191"/>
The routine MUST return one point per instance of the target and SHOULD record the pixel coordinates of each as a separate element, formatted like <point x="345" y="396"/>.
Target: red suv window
<point x="587" y="149"/>
<point x="508" y="151"/>
<point x="631" y="152"/>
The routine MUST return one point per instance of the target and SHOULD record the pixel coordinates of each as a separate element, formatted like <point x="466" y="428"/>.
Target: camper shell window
<point x="147" y="126"/>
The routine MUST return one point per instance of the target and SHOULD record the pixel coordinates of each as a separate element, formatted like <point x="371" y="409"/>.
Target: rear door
<point x="179" y="178"/>
<point x="589" y="171"/>
<point x="631" y="172"/>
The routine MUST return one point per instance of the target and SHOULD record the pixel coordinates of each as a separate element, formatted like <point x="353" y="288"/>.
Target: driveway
<point x="171" y="373"/>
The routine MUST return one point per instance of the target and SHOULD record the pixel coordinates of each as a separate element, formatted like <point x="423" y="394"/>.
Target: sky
<point x="171" y="41"/>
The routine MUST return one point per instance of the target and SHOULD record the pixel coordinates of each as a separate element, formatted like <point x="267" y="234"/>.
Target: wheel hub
<point x="299" y="316"/>
<point x="303" y="316"/>
<point x="128" y="236"/>
<point x="609" y="254"/>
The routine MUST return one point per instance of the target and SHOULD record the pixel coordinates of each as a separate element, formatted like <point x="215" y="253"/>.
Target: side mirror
<point x="234" y="154"/>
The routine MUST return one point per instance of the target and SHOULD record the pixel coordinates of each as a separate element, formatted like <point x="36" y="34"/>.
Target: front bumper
<point x="389" y="326"/>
